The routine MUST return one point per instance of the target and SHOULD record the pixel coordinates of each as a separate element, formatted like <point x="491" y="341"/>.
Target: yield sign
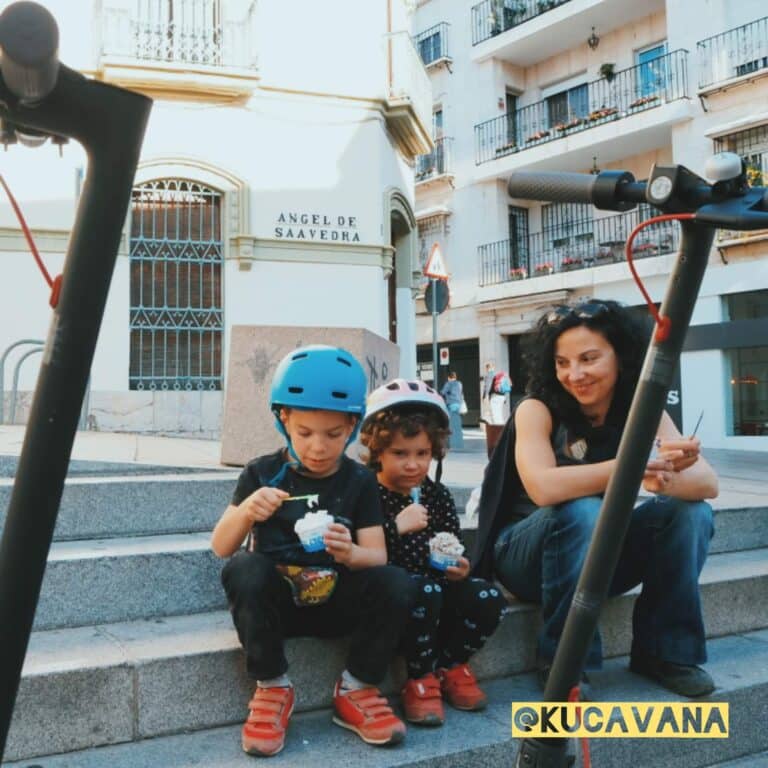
<point x="435" y="266"/>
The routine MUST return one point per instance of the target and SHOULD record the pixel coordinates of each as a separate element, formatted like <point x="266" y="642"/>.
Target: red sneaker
<point x="422" y="701"/>
<point x="264" y="730"/>
<point x="460" y="688"/>
<point x="368" y="714"/>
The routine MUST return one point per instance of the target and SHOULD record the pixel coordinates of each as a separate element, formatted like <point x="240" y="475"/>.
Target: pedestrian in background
<point x="453" y="394"/>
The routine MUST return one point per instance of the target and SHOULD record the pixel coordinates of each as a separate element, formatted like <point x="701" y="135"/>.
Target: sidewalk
<point x="741" y="473"/>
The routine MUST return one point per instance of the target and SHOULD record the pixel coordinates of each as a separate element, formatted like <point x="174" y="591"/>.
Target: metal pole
<point x="433" y="281"/>
<point x="16" y="371"/>
<point x="2" y="369"/>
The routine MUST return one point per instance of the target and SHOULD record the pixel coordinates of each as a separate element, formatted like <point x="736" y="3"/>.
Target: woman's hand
<point x="413" y="518"/>
<point x="458" y="572"/>
<point x="682" y="452"/>
<point x="338" y="543"/>
<point x="262" y="504"/>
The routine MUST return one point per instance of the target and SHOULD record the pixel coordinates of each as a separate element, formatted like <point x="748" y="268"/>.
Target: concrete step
<point x="108" y="580"/>
<point x="141" y="679"/>
<point x="107" y="507"/>
<point x="738" y="663"/>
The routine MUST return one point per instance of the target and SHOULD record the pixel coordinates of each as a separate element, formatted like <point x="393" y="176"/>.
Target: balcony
<point x="542" y="254"/>
<point x="408" y="109"/>
<point x="734" y="55"/>
<point x="524" y="32"/>
<point x="437" y="165"/>
<point x="492" y="17"/>
<point x="432" y="45"/>
<point x="595" y="109"/>
<point x="198" y="47"/>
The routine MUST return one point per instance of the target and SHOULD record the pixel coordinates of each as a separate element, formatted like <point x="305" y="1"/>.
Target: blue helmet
<point x="318" y="377"/>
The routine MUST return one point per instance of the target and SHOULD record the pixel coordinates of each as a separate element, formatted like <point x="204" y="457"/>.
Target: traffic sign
<point x="445" y="356"/>
<point x="436" y="296"/>
<point x="435" y="266"/>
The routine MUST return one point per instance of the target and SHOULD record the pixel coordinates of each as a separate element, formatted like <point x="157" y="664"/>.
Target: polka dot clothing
<point x="450" y="620"/>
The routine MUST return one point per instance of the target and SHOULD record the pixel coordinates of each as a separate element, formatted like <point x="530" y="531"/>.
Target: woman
<point x="453" y="394"/>
<point x="536" y="520"/>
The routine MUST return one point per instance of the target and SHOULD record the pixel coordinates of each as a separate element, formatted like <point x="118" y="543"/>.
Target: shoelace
<point x="266" y="705"/>
<point x="370" y="702"/>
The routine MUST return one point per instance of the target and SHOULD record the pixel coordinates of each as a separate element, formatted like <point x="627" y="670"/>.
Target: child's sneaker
<point x="460" y="688"/>
<point x="264" y="730"/>
<point x="366" y="712"/>
<point x="422" y="701"/>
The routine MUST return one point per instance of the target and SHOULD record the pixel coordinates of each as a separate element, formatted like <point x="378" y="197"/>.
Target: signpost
<point x="436" y="298"/>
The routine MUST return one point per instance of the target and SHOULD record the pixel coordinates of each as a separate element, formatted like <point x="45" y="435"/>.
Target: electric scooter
<point x="701" y="207"/>
<point x="39" y="98"/>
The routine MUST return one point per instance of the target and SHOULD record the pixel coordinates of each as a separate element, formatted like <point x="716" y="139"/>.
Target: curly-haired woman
<point x="540" y="505"/>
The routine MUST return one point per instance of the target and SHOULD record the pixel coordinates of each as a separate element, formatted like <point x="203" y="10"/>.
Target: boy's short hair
<point x="380" y="429"/>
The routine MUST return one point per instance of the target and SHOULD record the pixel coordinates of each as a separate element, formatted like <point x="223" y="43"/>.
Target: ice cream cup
<point x="442" y="561"/>
<point x="312" y="539"/>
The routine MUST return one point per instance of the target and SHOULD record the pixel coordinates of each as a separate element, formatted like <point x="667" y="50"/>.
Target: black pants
<point x="371" y="604"/>
<point x="449" y="622"/>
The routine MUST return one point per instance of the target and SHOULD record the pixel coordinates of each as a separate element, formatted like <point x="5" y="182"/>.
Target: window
<point x="567" y="105"/>
<point x="518" y="237"/>
<point x="752" y="146"/>
<point x="430" y="46"/>
<point x="511" y="112"/>
<point x="749" y="391"/>
<point x="652" y="74"/>
<point x="750" y="305"/>
<point x="568" y="229"/>
<point x="175" y="287"/>
<point x="433" y="229"/>
<point x="437" y="123"/>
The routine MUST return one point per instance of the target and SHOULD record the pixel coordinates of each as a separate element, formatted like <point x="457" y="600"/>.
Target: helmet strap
<point x="439" y="470"/>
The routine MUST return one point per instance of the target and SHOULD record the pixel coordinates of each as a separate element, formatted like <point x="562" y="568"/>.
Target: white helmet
<point x="405" y="392"/>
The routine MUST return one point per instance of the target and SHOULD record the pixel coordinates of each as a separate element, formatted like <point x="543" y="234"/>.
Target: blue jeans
<point x="539" y="560"/>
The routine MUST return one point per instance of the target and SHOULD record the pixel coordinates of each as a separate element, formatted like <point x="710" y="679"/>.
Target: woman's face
<point x="587" y="368"/>
<point x="405" y="462"/>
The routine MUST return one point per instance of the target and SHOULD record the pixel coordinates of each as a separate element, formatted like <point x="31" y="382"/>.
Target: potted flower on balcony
<point x="506" y="148"/>
<point x="538" y="136"/>
<point x="644" y="101"/>
<point x="570" y="262"/>
<point x="545" y="268"/>
<point x="754" y="176"/>
<point x="645" y="249"/>
<point x="518" y="273"/>
<point x="607" y="70"/>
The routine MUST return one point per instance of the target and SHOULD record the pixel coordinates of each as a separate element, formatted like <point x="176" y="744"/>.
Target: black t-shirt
<point x="350" y="494"/>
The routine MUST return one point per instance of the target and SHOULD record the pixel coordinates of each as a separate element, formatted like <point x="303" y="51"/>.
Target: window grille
<point x="176" y="313"/>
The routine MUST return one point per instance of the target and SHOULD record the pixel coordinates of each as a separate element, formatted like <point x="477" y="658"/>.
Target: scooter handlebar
<point x="608" y="190"/>
<point x="29" y="39"/>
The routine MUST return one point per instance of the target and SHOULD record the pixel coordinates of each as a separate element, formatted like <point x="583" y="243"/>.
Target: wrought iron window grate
<point x="176" y="312"/>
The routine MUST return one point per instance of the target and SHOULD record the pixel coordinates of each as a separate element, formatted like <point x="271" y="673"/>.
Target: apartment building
<point x="275" y="187"/>
<point x="587" y="85"/>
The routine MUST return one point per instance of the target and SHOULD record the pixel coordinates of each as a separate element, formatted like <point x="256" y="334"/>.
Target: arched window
<point x="176" y="293"/>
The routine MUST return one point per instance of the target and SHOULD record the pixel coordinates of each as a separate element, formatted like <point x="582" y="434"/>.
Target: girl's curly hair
<point x="379" y="431"/>
<point x="624" y="332"/>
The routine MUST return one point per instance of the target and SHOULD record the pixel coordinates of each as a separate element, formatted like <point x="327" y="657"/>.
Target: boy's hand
<point x="338" y="543"/>
<point x="458" y="572"/>
<point x="262" y="504"/>
<point x="413" y="518"/>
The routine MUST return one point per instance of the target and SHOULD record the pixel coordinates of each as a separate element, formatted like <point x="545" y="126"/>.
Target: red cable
<point x="663" y="323"/>
<point x="585" y="757"/>
<point x="54" y="284"/>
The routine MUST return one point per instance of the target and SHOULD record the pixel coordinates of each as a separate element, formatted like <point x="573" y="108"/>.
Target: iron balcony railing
<point x="432" y="43"/>
<point x="437" y="162"/>
<point x="737" y="52"/>
<point x="492" y="17"/>
<point x="628" y="92"/>
<point x="196" y="32"/>
<point x="543" y="253"/>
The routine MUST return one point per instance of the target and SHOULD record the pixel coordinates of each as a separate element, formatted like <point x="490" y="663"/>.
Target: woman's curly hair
<point x="380" y="430"/>
<point x="624" y="332"/>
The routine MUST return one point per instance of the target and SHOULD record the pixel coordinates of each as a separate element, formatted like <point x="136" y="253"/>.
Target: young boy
<point x="276" y="589"/>
<point x="406" y="426"/>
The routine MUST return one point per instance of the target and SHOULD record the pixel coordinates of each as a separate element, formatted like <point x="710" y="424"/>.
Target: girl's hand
<point x="458" y="572"/>
<point x="338" y="543"/>
<point x="262" y="504"/>
<point x="682" y="452"/>
<point x="413" y="518"/>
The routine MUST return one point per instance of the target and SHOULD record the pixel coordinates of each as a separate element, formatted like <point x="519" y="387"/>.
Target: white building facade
<point x="275" y="187"/>
<point x="580" y="85"/>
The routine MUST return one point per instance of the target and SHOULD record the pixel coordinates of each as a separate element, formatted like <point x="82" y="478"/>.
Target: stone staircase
<point x="134" y="660"/>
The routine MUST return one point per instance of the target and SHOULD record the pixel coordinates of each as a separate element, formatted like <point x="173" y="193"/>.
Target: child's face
<point x="318" y="438"/>
<point x="405" y="463"/>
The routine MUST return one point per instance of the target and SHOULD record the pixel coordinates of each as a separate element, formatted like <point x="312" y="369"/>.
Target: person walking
<point x="453" y="394"/>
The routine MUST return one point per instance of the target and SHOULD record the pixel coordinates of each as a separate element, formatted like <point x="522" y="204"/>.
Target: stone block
<point x="255" y="352"/>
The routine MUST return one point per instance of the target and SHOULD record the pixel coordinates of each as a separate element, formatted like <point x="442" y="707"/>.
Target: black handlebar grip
<point x="29" y="39"/>
<point x="558" y="187"/>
